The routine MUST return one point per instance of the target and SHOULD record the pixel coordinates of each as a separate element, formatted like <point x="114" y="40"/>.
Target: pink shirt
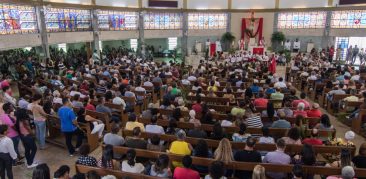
<point x="185" y="173"/>
<point x="296" y="102"/>
<point x="5" y="119"/>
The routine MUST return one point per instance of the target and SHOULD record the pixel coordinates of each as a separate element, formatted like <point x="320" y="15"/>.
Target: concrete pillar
<point x="141" y="40"/>
<point x="185" y="35"/>
<point x="43" y="31"/>
<point x="326" y="39"/>
<point x="275" y="22"/>
<point x="228" y="22"/>
<point x="95" y="43"/>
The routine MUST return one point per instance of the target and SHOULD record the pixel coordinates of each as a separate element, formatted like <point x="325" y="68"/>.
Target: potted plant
<point x="277" y="39"/>
<point x="227" y="39"/>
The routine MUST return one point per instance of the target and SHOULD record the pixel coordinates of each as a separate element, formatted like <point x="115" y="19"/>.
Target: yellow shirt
<point x="130" y="125"/>
<point x="213" y="88"/>
<point x="179" y="148"/>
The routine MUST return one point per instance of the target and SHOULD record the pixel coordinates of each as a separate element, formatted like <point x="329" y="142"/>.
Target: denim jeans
<point x="16" y="144"/>
<point x="68" y="138"/>
<point x="6" y="166"/>
<point x="30" y="148"/>
<point x="41" y="132"/>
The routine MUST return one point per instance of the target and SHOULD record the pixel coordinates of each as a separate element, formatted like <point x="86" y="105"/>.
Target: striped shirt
<point x="255" y="122"/>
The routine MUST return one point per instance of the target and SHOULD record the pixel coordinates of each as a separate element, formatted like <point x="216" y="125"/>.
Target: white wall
<point x="118" y="3"/>
<point x="145" y="3"/>
<point x="19" y="41"/>
<point x="71" y="1"/>
<point x="268" y="19"/>
<point x="69" y="37"/>
<point x="151" y="34"/>
<point x="118" y="35"/>
<point x="217" y="33"/>
<point x="207" y="4"/>
<point x="302" y="32"/>
<point x="253" y="4"/>
<point x="348" y="32"/>
<point x="303" y="3"/>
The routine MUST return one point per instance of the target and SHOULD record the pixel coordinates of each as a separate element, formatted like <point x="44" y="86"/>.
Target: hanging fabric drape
<point x="257" y="30"/>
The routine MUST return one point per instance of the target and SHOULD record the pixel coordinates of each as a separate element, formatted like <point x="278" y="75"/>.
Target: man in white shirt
<point x="185" y="81"/>
<point x="148" y="82"/>
<point x="356" y="77"/>
<point x="280" y="83"/>
<point x="153" y="127"/>
<point x="192" y="78"/>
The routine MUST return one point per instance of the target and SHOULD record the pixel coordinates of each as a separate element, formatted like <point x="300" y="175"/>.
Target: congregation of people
<point x="253" y="89"/>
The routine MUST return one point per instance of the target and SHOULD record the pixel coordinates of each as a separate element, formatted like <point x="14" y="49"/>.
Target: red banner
<point x="252" y="28"/>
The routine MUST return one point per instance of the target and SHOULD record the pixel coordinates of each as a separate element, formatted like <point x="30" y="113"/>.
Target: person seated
<point x="119" y="101"/>
<point x="253" y="120"/>
<point x="241" y="136"/>
<point x="266" y="138"/>
<point x="217" y="171"/>
<point x="88" y="104"/>
<point x="324" y="123"/>
<point x="352" y="98"/>
<point x="345" y="160"/>
<point x="277" y="157"/>
<point x="255" y="88"/>
<point x="314" y="111"/>
<point x="132" y="123"/>
<point x="84" y="158"/>
<point x="281" y="122"/>
<point x="135" y="141"/>
<point x="153" y="127"/>
<point x="180" y="147"/>
<point x="197" y="132"/>
<point x="336" y="90"/>
<point x="247" y="155"/>
<point x="286" y="109"/>
<point x="313" y="140"/>
<point x="293" y="136"/>
<point x="96" y="126"/>
<point x="300" y="110"/>
<point x="295" y="103"/>
<point x="212" y="87"/>
<point x="76" y="101"/>
<point x="280" y="83"/>
<point x="360" y="160"/>
<point x="186" y="171"/>
<point x="155" y="144"/>
<point x="260" y="102"/>
<point x="217" y="132"/>
<point x="104" y="109"/>
<point x="130" y="165"/>
<point x="62" y="172"/>
<point x="238" y="110"/>
<point x="229" y="95"/>
<point x="107" y="160"/>
<point x="347" y="173"/>
<point x="161" y="167"/>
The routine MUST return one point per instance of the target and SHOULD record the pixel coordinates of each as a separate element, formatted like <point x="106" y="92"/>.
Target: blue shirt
<point x="255" y="89"/>
<point x="67" y="116"/>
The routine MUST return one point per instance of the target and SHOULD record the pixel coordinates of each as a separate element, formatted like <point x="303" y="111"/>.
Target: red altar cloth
<point x="258" y="50"/>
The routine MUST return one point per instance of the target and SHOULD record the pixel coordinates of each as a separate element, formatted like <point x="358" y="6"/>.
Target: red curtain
<point x="258" y="33"/>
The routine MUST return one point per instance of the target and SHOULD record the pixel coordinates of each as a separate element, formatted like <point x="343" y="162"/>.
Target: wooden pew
<point x="248" y="166"/>
<point x="240" y="145"/>
<point x="117" y="173"/>
<point x="357" y="122"/>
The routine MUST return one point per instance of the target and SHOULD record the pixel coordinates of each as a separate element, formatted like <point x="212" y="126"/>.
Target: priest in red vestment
<point x="272" y="65"/>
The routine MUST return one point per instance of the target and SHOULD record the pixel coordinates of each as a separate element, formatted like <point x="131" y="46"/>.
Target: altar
<point x="252" y="34"/>
<point x="256" y="50"/>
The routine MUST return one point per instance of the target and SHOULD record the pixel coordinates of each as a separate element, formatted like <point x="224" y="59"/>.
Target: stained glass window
<point x="65" y="20"/>
<point x="302" y="20"/>
<point x="163" y="20"/>
<point x="117" y="20"/>
<point x="207" y="20"/>
<point x="16" y="19"/>
<point x="349" y="19"/>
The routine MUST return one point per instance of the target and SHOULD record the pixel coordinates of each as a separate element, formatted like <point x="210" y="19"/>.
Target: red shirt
<point x="302" y="113"/>
<point x="314" y="113"/>
<point x="260" y="102"/>
<point x="197" y="108"/>
<point x="312" y="141"/>
<point x="90" y="107"/>
<point x="296" y="102"/>
<point x="185" y="173"/>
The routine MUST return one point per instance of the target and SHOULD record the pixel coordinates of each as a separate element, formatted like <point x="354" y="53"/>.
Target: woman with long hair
<point x="346" y="159"/>
<point x="25" y="132"/>
<point x="42" y="171"/>
<point x="96" y="125"/>
<point x="306" y="157"/>
<point x="130" y="165"/>
<point x="217" y="132"/>
<point x="259" y="172"/>
<point x="241" y="136"/>
<point x="224" y="152"/>
<point x="107" y="158"/>
<point x="161" y="167"/>
<point x="40" y="117"/>
<point x="293" y="136"/>
<point x="201" y="150"/>
<point x="324" y="123"/>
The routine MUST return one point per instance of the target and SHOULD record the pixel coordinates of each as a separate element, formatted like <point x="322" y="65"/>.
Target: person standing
<point x="39" y="116"/>
<point x="8" y="119"/>
<point x="355" y="52"/>
<point x="349" y="54"/>
<point x="272" y="65"/>
<point x="22" y="126"/>
<point x="68" y="126"/>
<point x="331" y="53"/>
<point x="7" y="153"/>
